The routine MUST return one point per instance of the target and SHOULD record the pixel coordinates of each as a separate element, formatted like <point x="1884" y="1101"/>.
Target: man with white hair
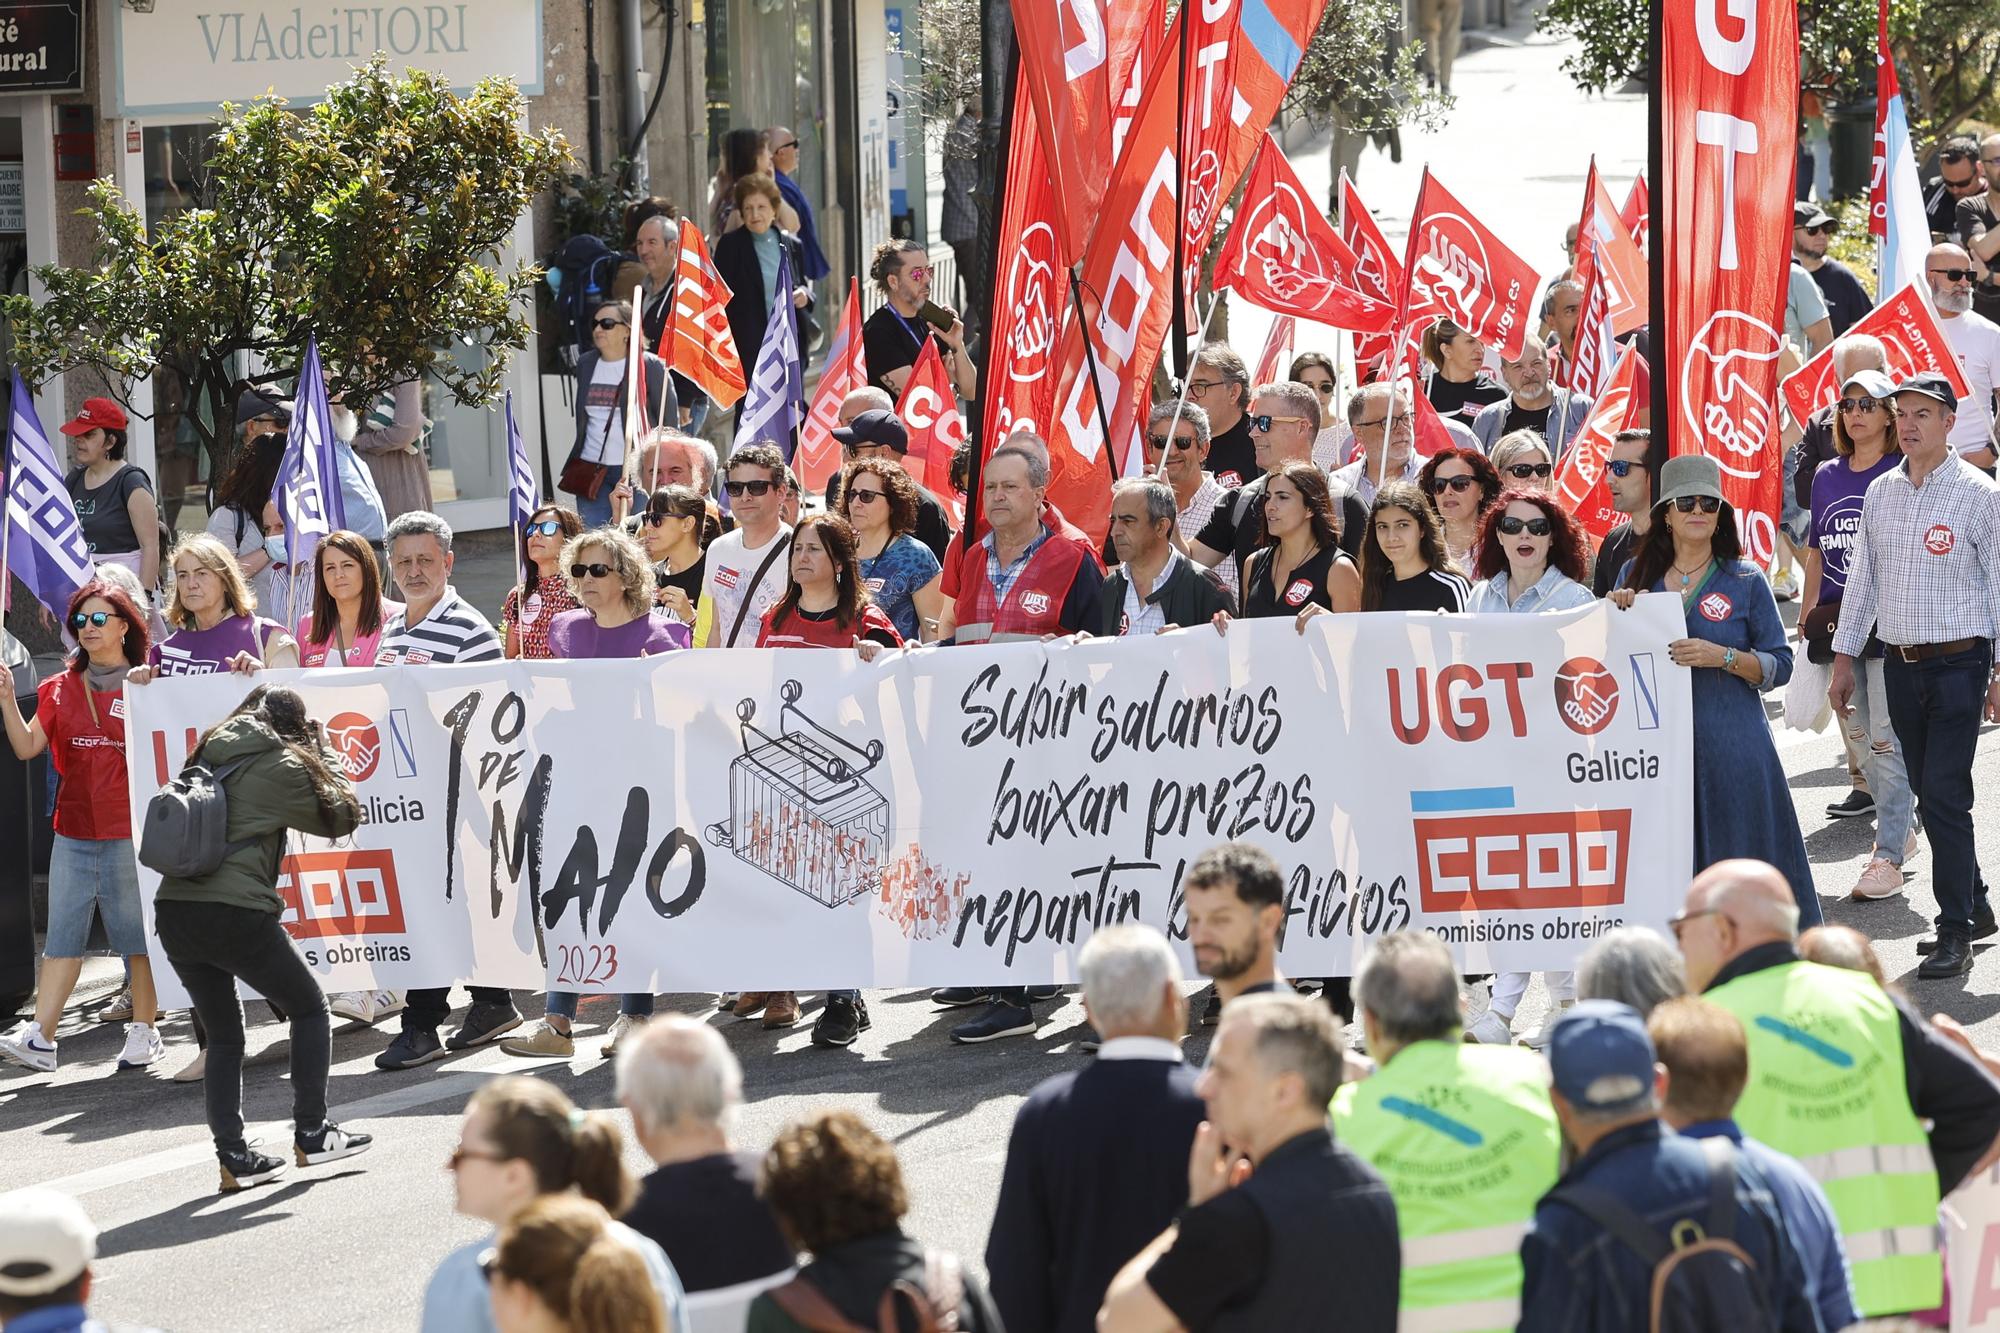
<point x="682" y="1085"/>
<point x="1889" y="1114"/>
<point x="1097" y="1163"/>
<point x="1975" y="342"/>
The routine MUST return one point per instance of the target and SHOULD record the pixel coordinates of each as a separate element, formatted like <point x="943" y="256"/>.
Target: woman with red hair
<point x="80" y="719"/>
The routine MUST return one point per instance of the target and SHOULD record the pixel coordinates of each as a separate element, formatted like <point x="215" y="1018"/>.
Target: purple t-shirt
<point x="204" y="652"/>
<point x="575" y="634"/>
<point x="1837" y="492"/>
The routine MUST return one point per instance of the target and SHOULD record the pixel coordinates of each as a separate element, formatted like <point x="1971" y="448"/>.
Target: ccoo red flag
<point x="845" y="371"/>
<point x="1066" y="71"/>
<point x="1457" y="268"/>
<point x="1911" y="339"/>
<point x="929" y="408"/>
<point x="1283" y="255"/>
<point x="1580" y="481"/>
<point x="697" y="341"/>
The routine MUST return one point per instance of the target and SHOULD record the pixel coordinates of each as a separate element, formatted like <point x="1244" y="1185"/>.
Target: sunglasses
<point x="1523" y="471"/>
<point x="1686" y="503"/>
<point x="1971" y="182"/>
<point x="609" y="323"/>
<point x="1823" y="229"/>
<point x="917" y="272"/>
<point x="657" y="519"/>
<point x="1953" y="274"/>
<point x="1511" y="526"/>
<point x="1262" y="425"/>
<point x="789" y="143"/>
<point x="462" y="1154"/>
<point x="1463" y="482"/>
<point x="856" y="495"/>
<point x="1861" y="404"/>
<point x="1323" y="390"/>
<point x="1158" y="443"/>
<point x="752" y="487"/>
<point x="1622" y="467"/>
<point x="97" y="618"/>
<point x="594" y="570"/>
<point x="547" y="527"/>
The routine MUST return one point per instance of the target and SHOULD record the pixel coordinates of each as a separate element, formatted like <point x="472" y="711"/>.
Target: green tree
<point x="373" y="220"/>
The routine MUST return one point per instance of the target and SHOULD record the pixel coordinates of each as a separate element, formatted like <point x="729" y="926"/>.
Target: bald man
<point x="1973" y="222"/>
<point x="1843" y="1075"/>
<point x="797" y="214"/>
<point x="1975" y="341"/>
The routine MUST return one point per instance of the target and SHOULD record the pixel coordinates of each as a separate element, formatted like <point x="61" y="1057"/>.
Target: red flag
<point x="1379" y="272"/>
<point x="1911" y="338"/>
<point x="1621" y="267"/>
<point x="1138" y="29"/>
<point x="1065" y="69"/>
<point x="1031" y="305"/>
<point x="1887" y="90"/>
<point x="1587" y="371"/>
<point x="1580" y="478"/>
<point x="1730" y="127"/>
<point x="845" y="371"/>
<point x="1284" y="255"/>
<point x="1431" y="433"/>
<point x="1456" y="268"/>
<point x="1278" y="345"/>
<point x="929" y="408"/>
<point x="697" y="341"/>
<point x="1637" y="215"/>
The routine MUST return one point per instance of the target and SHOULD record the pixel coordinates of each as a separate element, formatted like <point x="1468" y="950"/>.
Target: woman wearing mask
<point x="242" y="515"/>
<point x="901" y="574"/>
<point x="543" y="594"/>
<point x="1457" y="388"/>
<point x="1301" y="566"/>
<point x="676" y="534"/>
<point x="747" y="259"/>
<point x="558" y="1268"/>
<point x="1462" y="486"/>
<point x="609" y="577"/>
<point x="80" y="719"/>
<point x="1532" y="558"/>
<point x="272" y="760"/>
<point x="1403" y="563"/>
<point x="597" y="460"/>
<point x="114" y="499"/>
<point x="1736" y="648"/>
<point x="1523" y="460"/>
<point x="523" y="1140"/>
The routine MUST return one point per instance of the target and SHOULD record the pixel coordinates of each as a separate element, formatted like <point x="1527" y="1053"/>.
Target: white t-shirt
<point x="1975" y="341"/>
<point x="602" y="402"/>
<point x="725" y="582"/>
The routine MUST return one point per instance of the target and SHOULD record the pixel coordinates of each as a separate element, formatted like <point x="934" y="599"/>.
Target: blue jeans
<point x="562" y="1003"/>
<point x="1873" y="738"/>
<point x="1936" y="707"/>
<point x="596" y="513"/>
<point x="86" y="875"/>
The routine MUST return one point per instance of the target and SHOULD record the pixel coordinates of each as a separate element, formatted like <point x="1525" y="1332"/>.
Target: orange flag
<point x="929" y="408"/>
<point x="846" y="370"/>
<point x="697" y="341"/>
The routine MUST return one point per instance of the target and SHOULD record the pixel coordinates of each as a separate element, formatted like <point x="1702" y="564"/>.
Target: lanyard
<point x="908" y="328"/>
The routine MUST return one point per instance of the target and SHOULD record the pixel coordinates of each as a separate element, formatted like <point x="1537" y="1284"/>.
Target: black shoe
<point x="329" y="1143"/>
<point x="1211" y="1008"/>
<point x="1000" y="1020"/>
<point x="1853" y="805"/>
<point x="1951" y="958"/>
<point x="241" y="1170"/>
<point x="839" y="1023"/>
<point x="1090" y="1041"/>
<point x="954" y="997"/>
<point x="1984" y="927"/>
<point x="1042" y="992"/>
<point x="415" y="1046"/>
<point x="485" y="1023"/>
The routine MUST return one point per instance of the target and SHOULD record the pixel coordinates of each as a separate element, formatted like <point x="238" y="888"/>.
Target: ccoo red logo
<point x="1586" y="695"/>
<point x="357" y="742"/>
<point x="1940" y="539"/>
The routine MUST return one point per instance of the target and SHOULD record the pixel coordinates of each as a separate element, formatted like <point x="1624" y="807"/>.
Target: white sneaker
<point x="621" y="1027"/>
<point x="358" y="1005"/>
<point x="1540" y="1041"/>
<point x="142" y="1046"/>
<point x="193" y="1070"/>
<point x="1491" y="1029"/>
<point x="389" y="1002"/>
<point x="1881" y="878"/>
<point x="1784" y="586"/>
<point x="26" y="1046"/>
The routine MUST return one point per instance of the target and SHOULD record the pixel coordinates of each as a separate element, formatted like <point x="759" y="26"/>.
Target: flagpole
<point x="1090" y="368"/>
<point x="1658" y="409"/>
<point x="994" y="151"/>
<point x="1180" y="403"/>
<point x="1180" y="216"/>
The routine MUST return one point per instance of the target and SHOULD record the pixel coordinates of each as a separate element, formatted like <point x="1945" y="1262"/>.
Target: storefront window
<point x="764" y="63"/>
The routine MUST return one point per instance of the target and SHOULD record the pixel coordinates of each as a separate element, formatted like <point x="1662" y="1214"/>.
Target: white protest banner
<point x="758" y="819"/>
<point x="1972" y="1253"/>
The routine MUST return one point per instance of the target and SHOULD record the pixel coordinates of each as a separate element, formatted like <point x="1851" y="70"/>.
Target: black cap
<point x="1806" y="214"/>
<point x="1931" y="384"/>
<point x="251" y="405"/>
<point x="875" y="427"/>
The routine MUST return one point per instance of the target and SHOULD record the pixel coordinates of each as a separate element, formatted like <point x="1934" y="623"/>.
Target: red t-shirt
<point x="92" y="803"/>
<point x="804" y="630"/>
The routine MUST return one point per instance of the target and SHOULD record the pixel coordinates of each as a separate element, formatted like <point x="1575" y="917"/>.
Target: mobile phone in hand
<point x="941" y="317"/>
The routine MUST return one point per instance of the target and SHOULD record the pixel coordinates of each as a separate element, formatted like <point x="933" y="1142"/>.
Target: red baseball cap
<point x="97" y="412"/>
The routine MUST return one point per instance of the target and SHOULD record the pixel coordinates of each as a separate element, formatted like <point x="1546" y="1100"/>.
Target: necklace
<point x="1687" y="576"/>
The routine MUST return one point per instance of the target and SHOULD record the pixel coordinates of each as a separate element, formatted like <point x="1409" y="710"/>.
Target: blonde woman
<point x="1523" y="461"/>
<point x="212" y="620"/>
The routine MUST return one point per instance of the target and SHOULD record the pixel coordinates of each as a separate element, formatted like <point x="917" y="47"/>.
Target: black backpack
<point x="186" y="833"/>
<point x="587" y="268"/>
<point x="1702" y="1279"/>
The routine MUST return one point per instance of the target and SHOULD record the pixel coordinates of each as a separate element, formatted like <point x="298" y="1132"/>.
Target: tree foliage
<point x="373" y="220"/>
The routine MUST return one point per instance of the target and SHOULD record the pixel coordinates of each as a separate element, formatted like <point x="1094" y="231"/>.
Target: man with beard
<point x="1975" y="341"/>
<point x="1535" y="403"/>
<point x="1235" y="907"/>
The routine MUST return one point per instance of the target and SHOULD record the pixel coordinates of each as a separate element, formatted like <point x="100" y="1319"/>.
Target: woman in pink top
<point x="347" y="599"/>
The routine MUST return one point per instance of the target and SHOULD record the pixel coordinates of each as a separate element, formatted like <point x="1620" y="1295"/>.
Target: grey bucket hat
<point x="1689" y="474"/>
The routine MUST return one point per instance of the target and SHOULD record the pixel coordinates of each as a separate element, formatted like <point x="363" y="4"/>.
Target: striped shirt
<point x="1925" y="567"/>
<point x="452" y="632"/>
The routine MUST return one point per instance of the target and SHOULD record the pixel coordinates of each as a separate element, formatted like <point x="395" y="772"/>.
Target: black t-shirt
<point x="1846" y="299"/>
<point x="1218" y="1259"/>
<point x="1432" y="590"/>
<point x="1306" y="585"/>
<point x="706" y="1215"/>
<point x="1618" y="546"/>
<point x="1815" y="446"/>
<point x="1462" y="401"/>
<point x="1231" y="455"/>
<point x="1975" y="218"/>
<point x="688" y="580"/>
<point x="1521" y="418"/>
<point x="102" y="512"/>
<point x="1236" y="527"/>
<point x="893" y="343"/>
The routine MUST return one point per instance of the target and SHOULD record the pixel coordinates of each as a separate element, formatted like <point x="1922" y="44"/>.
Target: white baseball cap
<point x="46" y="1241"/>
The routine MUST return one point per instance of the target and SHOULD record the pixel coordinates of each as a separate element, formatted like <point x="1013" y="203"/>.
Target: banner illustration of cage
<point x="800" y="809"/>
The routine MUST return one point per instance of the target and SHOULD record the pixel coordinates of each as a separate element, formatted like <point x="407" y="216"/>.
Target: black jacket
<point x="749" y="305"/>
<point x="1188" y="596"/>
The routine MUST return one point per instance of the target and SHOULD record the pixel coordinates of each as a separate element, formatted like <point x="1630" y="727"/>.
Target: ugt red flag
<point x="1637" y="215"/>
<point x="1278" y="344"/>
<point x="1379" y="272"/>
<point x="1066" y="71"/>
<point x="1030" y="304"/>
<point x="1910" y="337"/>
<point x="929" y="408"/>
<point x="1620" y="265"/>
<point x="1580" y="479"/>
<point x="845" y="371"/>
<point x="1730" y="94"/>
<point x="697" y="341"/>
<point x="1457" y="268"/>
<point x="1283" y="255"/>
